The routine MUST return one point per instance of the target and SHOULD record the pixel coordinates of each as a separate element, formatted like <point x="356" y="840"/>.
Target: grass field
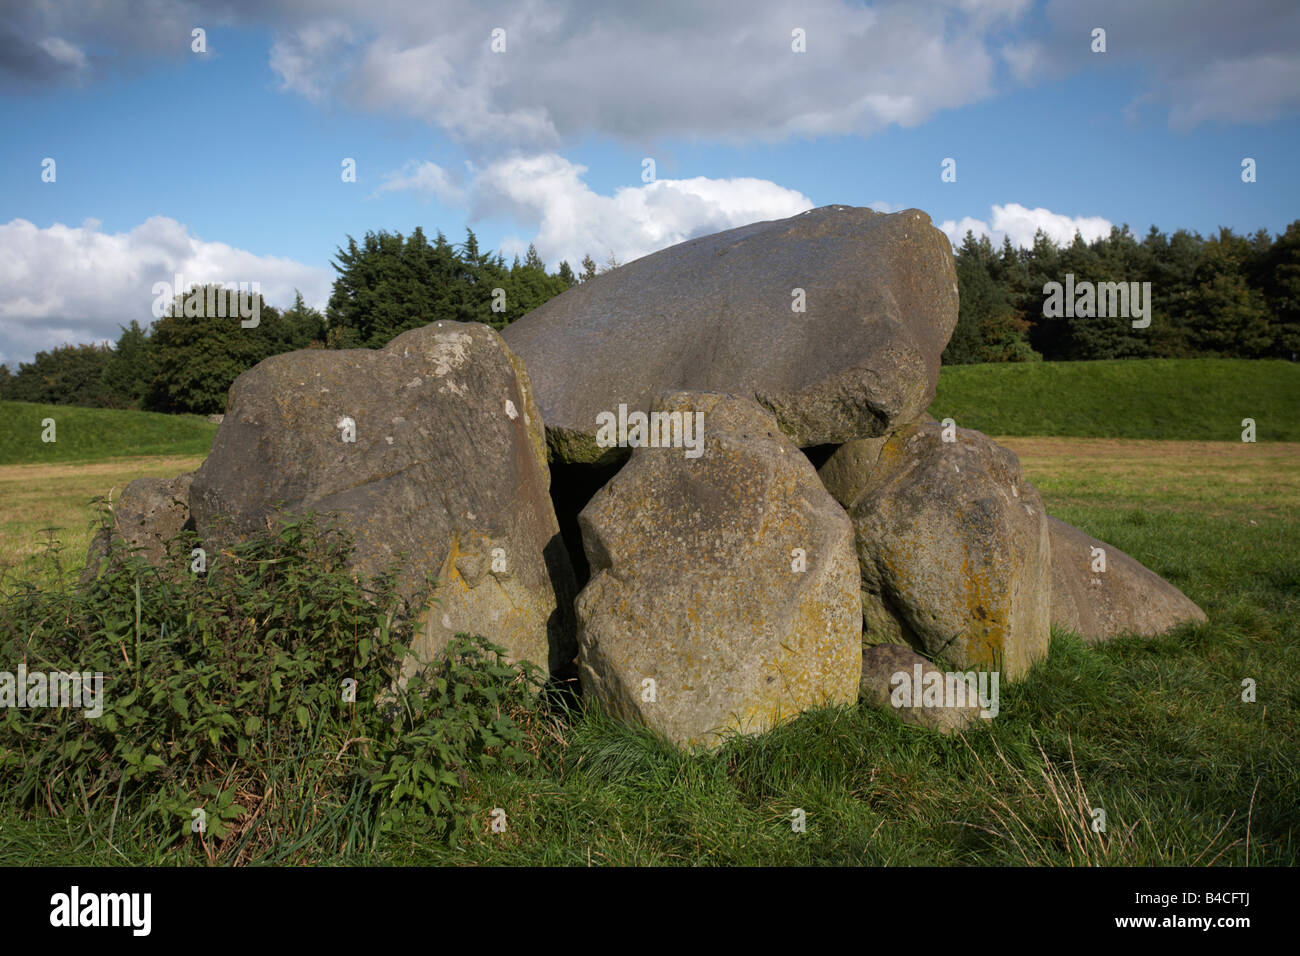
<point x="60" y="496"/>
<point x="1154" y="732"/>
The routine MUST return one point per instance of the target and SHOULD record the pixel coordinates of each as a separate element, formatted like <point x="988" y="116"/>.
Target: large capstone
<point x="832" y="320"/>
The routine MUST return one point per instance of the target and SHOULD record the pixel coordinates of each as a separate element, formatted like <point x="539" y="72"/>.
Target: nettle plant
<point x="253" y="712"/>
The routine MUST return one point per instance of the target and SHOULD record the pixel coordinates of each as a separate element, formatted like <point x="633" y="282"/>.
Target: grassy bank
<point x="95" y="434"/>
<point x="1186" y="399"/>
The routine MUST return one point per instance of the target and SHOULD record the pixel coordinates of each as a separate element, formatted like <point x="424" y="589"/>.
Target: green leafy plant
<point x="251" y="693"/>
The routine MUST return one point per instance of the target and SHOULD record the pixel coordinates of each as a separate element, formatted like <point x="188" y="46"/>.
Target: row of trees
<point x="386" y="284"/>
<point x="1227" y="296"/>
<point x="178" y="365"/>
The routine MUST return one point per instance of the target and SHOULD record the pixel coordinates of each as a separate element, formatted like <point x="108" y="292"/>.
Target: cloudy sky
<point x="537" y="121"/>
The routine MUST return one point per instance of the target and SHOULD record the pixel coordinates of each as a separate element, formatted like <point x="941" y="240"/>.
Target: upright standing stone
<point x="954" y="549"/>
<point x="430" y="451"/>
<point x="724" y="588"/>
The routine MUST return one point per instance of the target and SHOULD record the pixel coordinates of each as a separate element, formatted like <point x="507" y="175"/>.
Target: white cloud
<point x="646" y="72"/>
<point x="424" y="179"/>
<point x="571" y="220"/>
<point x="995" y="8"/>
<point x="302" y="59"/>
<point x="77" y="284"/>
<point x="1252" y="89"/>
<point x="1021" y="223"/>
<point x="1023" y="59"/>
<point x="643" y="72"/>
<point x="65" y="54"/>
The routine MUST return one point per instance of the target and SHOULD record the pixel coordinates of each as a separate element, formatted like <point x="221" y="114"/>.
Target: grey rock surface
<point x="446" y="474"/>
<point x="728" y="581"/>
<point x="928" y="697"/>
<point x="954" y="549"/>
<point x="148" y="514"/>
<point x="1125" y="598"/>
<point x="715" y="314"/>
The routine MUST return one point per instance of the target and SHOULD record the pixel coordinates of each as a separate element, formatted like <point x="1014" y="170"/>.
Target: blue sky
<point x="224" y="164"/>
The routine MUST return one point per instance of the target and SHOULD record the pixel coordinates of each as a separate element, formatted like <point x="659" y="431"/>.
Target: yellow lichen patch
<point x="985" y="638"/>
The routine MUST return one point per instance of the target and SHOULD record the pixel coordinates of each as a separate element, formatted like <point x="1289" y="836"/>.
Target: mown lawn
<point x="1153" y="732"/>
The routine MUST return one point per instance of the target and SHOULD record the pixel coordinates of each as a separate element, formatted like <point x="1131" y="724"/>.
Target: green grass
<point x="56" y="502"/>
<point x="1188" y="399"/>
<point x="91" y="434"/>
<point x="1154" y="732"/>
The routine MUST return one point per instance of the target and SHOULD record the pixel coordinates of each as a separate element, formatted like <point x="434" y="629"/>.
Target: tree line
<point x="1225" y="295"/>
<point x="386" y="284"/>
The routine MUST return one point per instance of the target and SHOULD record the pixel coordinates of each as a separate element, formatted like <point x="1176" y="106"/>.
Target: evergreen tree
<point x="1172" y="276"/>
<point x="1276" y="275"/>
<point x="298" y="327"/>
<point x="989" y="327"/>
<point x="1117" y="258"/>
<point x="373" y="292"/>
<point x="479" y="276"/>
<point x="1049" y="336"/>
<point x="1230" y="317"/>
<point x="530" y="285"/>
<point x="533" y="260"/>
<point x="196" y="358"/>
<point x="128" y="372"/>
